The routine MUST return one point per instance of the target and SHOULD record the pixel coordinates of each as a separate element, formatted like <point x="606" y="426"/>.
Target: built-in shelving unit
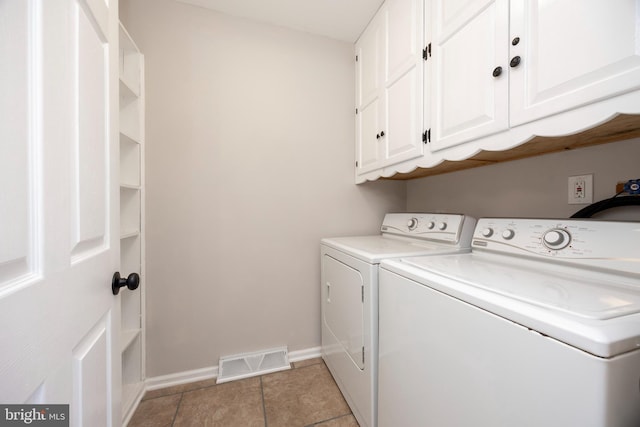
<point x="132" y="308"/>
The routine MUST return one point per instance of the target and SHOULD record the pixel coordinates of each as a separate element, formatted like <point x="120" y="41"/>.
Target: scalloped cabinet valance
<point x="443" y="85"/>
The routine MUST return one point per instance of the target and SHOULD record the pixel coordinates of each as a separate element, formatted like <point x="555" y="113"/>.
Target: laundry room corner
<point x="249" y="163"/>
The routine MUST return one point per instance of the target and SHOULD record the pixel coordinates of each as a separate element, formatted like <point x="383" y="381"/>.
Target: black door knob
<point x="132" y="282"/>
<point x="497" y="71"/>
<point x="382" y="133"/>
<point x="377" y="136"/>
<point x="515" y="61"/>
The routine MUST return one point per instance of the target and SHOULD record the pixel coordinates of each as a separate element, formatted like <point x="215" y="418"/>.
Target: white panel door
<point x="59" y="207"/>
<point x="403" y="127"/>
<point x="471" y="40"/>
<point x="573" y="52"/>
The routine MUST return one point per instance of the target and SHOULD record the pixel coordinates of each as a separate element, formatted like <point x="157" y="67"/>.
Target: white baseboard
<point x="186" y="377"/>
<point x="178" y="378"/>
<point x="309" y="353"/>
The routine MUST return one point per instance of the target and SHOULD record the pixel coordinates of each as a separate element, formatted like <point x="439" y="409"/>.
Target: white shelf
<point x="127" y="93"/>
<point x="127" y="138"/>
<point x="129" y="210"/>
<point x="130" y="59"/>
<point x="127" y="337"/>
<point x="129" y="162"/>
<point x="130" y="186"/>
<point x="131" y="393"/>
<point x="127" y="234"/>
<point x="126" y="42"/>
<point x="124" y="138"/>
<point x="130" y="121"/>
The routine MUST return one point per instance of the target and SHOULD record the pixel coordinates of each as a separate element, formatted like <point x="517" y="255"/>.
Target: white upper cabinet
<point x="500" y="64"/>
<point x="496" y="74"/>
<point x="389" y="87"/>
<point x="573" y="52"/>
<point x="470" y="78"/>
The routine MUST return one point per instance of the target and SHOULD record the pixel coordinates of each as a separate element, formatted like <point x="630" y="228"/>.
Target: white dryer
<point x="539" y="325"/>
<point x="349" y="277"/>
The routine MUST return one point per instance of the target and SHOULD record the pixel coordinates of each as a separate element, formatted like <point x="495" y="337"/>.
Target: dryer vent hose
<point x="602" y="205"/>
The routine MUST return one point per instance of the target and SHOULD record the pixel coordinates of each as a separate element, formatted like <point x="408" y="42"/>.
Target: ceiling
<point x="337" y="19"/>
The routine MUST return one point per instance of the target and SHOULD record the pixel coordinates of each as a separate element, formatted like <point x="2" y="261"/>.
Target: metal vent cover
<point x="247" y="365"/>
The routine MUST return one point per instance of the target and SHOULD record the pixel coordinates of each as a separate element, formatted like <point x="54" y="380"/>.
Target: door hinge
<point x="362" y="292"/>
<point x="426" y="136"/>
<point x="356" y="111"/>
<point x="356" y="163"/>
<point x="356" y="58"/>
<point x="426" y="52"/>
<point x="363" y="355"/>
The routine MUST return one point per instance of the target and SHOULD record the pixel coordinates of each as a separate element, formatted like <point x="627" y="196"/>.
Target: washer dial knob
<point x="412" y="223"/>
<point x="430" y="225"/>
<point x="556" y="238"/>
<point x="508" y="234"/>
<point x="442" y="226"/>
<point x="487" y="232"/>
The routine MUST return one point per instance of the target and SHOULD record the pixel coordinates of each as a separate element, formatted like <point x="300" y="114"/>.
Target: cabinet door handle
<point x="497" y="71"/>
<point x="382" y="133"/>
<point x="515" y="61"/>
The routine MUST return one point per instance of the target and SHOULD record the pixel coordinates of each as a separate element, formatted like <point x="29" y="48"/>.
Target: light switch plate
<point x="580" y="189"/>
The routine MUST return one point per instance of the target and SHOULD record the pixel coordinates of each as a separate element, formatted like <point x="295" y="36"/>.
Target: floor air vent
<point x="247" y="365"/>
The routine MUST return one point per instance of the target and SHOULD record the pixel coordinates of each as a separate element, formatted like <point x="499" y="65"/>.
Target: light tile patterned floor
<point x="305" y="395"/>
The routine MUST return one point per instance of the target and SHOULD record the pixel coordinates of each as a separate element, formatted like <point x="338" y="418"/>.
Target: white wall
<point x="534" y="187"/>
<point x="249" y="163"/>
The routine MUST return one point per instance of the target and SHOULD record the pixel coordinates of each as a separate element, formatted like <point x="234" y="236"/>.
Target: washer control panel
<point x="450" y="228"/>
<point x="560" y="239"/>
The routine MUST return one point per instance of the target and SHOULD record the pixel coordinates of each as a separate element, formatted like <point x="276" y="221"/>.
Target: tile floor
<point x="305" y="395"/>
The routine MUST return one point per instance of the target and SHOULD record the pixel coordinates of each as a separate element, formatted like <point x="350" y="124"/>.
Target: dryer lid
<point x="373" y="249"/>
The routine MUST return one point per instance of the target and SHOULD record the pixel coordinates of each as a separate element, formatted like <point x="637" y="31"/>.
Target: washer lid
<point x="581" y="292"/>
<point x="373" y="249"/>
<point x="595" y="311"/>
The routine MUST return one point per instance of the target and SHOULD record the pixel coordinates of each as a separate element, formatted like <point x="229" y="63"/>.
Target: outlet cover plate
<point x="580" y="189"/>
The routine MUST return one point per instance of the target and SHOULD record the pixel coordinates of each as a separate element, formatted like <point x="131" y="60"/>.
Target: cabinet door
<point x="573" y="52"/>
<point x="368" y="97"/>
<point x="470" y="41"/>
<point x="368" y="152"/>
<point x="403" y="80"/>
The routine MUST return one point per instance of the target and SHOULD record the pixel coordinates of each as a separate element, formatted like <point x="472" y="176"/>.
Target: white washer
<point x="349" y="278"/>
<point x="538" y="326"/>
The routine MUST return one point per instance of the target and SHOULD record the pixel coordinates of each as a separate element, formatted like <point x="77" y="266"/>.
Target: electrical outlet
<point x="581" y="189"/>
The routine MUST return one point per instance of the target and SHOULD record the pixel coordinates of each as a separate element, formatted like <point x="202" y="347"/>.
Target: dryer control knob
<point x="556" y="239"/>
<point x="508" y="234"/>
<point x="442" y="226"/>
<point x="412" y="223"/>
<point x="430" y="225"/>
<point x="487" y="232"/>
